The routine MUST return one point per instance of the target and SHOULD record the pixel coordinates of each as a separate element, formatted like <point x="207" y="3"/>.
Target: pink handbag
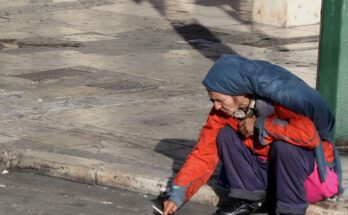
<point x="318" y="191"/>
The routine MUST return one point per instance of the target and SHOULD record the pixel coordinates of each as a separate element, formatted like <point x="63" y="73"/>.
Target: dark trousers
<point x="250" y="177"/>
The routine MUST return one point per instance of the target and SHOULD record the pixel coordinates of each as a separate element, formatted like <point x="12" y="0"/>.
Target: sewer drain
<point x="51" y="74"/>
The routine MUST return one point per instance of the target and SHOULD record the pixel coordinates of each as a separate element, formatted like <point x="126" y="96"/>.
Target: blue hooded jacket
<point x="236" y="75"/>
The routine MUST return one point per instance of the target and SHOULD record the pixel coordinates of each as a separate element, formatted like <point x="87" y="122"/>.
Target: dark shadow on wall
<point x="178" y="150"/>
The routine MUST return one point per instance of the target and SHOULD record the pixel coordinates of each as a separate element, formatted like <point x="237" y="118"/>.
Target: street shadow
<point x="236" y="9"/>
<point x="178" y="150"/>
<point x="240" y="10"/>
<point x="198" y="36"/>
<point x="159" y="5"/>
<point x="202" y="39"/>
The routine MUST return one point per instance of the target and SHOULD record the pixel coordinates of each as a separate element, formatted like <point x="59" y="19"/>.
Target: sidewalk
<point x="109" y="92"/>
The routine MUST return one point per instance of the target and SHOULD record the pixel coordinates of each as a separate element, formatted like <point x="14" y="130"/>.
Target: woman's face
<point x="228" y="104"/>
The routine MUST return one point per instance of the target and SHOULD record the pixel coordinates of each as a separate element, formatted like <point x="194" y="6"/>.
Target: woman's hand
<point x="169" y="207"/>
<point x="246" y="126"/>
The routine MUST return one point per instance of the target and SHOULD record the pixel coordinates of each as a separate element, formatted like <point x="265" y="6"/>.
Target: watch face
<point x="239" y="114"/>
<point x="250" y="112"/>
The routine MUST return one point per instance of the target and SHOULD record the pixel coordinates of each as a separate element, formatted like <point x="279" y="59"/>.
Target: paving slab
<point x="109" y="92"/>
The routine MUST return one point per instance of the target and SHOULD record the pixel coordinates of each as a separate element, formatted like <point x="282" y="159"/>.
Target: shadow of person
<point x="178" y="150"/>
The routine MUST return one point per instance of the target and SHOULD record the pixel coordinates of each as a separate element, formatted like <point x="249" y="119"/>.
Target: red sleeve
<point x="202" y="161"/>
<point x="287" y="126"/>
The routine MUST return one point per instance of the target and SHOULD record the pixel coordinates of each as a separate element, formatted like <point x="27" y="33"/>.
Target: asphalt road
<point x="28" y="194"/>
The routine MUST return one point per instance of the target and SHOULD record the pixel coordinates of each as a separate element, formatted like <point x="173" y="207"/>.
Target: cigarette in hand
<point x="158" y="210"/>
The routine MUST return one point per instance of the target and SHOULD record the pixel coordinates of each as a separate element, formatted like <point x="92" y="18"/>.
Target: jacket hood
<point x="236" y="75"/>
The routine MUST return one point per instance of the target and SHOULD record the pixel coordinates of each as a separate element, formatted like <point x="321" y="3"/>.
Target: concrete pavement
<point x="109" y="92"/>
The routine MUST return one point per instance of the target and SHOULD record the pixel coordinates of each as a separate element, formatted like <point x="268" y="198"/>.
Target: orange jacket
<point x="283" y="125"/>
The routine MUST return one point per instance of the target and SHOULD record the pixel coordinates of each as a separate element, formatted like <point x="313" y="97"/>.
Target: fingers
<point x="169" y="207"/>
<point x="246" y="126"/>
<point x="243" y="128"/>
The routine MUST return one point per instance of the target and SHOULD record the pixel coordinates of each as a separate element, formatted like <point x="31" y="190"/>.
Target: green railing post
<point x="332" y="80"/>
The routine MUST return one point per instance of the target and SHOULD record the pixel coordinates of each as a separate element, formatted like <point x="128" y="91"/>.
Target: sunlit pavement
<point x="109" y="92"/>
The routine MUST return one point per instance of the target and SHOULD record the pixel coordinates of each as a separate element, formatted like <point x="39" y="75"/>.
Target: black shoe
<point x="241" y="207"/>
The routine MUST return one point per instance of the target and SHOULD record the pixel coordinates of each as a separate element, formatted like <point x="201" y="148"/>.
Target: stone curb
<point x="119" y="175"/>
<point x="102" y="173"/>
